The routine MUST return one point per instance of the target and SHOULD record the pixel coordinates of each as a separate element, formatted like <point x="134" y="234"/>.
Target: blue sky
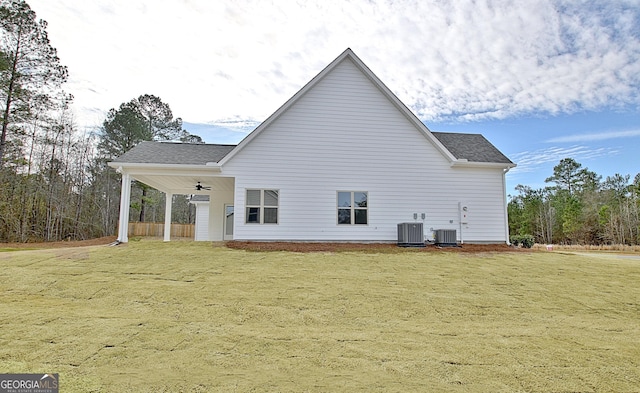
<point x="543" y="80"/>
<point x="606" y="142"/>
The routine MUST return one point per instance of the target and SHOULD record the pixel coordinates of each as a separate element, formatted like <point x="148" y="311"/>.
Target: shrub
<point x="524" y="241"/>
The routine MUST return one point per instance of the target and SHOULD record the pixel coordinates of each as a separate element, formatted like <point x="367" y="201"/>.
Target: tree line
<point x="578" y="208"/>
<point x="55" y="183"/>
<point x="54" y="180"/>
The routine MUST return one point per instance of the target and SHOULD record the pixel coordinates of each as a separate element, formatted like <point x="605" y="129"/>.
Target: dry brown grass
<point x="153" y="316"/>
<point x="60" y="244"/>
<point x="590" y="247"/>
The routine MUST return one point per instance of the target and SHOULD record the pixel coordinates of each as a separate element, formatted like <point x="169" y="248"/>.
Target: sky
<point x="542" y="80"/>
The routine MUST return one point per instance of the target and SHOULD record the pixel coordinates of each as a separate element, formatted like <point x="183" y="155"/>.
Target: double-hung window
<point x="353" y="208"/>
<point x="262" y="207"/>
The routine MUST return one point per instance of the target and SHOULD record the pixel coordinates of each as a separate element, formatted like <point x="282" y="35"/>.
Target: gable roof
<point x="350" y="55"/>
<point x="458" y="148"/>
<point x="174" y="153"/>
<point x="471" y="147"/>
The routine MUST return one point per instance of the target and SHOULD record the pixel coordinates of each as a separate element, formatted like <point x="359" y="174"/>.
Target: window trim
<point x="352" y="209"/>
<point x="261" y="207"/>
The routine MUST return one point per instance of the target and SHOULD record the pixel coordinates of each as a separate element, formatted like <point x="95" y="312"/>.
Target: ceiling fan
<point x="200" y="187"/>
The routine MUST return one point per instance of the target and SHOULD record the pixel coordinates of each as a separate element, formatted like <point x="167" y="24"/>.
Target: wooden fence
<point x="156" y="229"/>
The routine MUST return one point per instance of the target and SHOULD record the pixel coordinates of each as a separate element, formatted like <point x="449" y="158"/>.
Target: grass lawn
<point x="183" y="316"/>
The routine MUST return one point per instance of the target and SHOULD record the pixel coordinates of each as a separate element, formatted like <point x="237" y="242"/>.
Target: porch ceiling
<point x="177" y="178"/>
<point x="185" y="184"/>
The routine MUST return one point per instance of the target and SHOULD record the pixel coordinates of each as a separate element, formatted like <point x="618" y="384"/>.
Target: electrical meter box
<point x="464" y="212"/>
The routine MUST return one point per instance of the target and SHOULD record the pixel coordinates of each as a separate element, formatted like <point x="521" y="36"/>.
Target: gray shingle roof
<point x="473" y="147"/>
<point x="200" y="198"/>
<point x="174" y="153"/>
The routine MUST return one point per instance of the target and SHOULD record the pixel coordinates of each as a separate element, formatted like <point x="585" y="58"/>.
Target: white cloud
<point x="236" y="124"/>
<point x="595" y="137"/>
<point x="446" y="60"/>
<point x="533" y="161"/>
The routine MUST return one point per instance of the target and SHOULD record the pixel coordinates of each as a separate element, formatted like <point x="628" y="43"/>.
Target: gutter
<point x="138" y="165"/>
<point x="464" y="163"/>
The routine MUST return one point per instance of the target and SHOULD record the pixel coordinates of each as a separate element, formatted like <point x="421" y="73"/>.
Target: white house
<point x="341" y="160"/>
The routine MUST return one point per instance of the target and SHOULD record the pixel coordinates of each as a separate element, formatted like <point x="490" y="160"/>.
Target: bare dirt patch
<point x="366" y="247"/>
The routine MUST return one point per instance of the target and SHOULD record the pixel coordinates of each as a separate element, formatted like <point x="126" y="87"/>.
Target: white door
<point x="202" y="221"/>
<point x="228" y="222"/>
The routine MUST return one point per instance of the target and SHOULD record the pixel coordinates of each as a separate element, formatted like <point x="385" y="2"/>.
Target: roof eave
<point x="463" y="163"/>
<point x="150" y="166"/>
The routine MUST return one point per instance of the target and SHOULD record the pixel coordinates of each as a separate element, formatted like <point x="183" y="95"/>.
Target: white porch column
<point x="125" y="201"/>
<point x="167" y="216"/>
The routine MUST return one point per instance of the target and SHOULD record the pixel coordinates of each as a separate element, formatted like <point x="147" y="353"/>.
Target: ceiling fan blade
<point x="200" y="187"/>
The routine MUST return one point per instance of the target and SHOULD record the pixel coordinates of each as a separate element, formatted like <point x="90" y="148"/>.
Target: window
<point x="262" y="207"/>
<point x="352" y="207"/>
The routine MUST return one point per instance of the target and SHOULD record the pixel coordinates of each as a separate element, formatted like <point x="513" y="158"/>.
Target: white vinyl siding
<point x="344" y="134"/>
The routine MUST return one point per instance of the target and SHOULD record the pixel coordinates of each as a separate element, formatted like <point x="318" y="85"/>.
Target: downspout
<point x="460" y="221"/>
<point x="504" y="203"/>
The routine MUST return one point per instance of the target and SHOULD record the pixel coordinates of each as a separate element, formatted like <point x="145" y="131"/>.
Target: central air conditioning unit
<point x="446" y="237"/>
<point x="410" y="234"/>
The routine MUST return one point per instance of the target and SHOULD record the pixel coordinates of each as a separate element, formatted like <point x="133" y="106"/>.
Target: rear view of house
<point x="342" y="160"/>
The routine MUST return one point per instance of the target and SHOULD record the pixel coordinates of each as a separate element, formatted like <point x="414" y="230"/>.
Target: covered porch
<point x="214" y="192"/>
<point x="177" y="169"/>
